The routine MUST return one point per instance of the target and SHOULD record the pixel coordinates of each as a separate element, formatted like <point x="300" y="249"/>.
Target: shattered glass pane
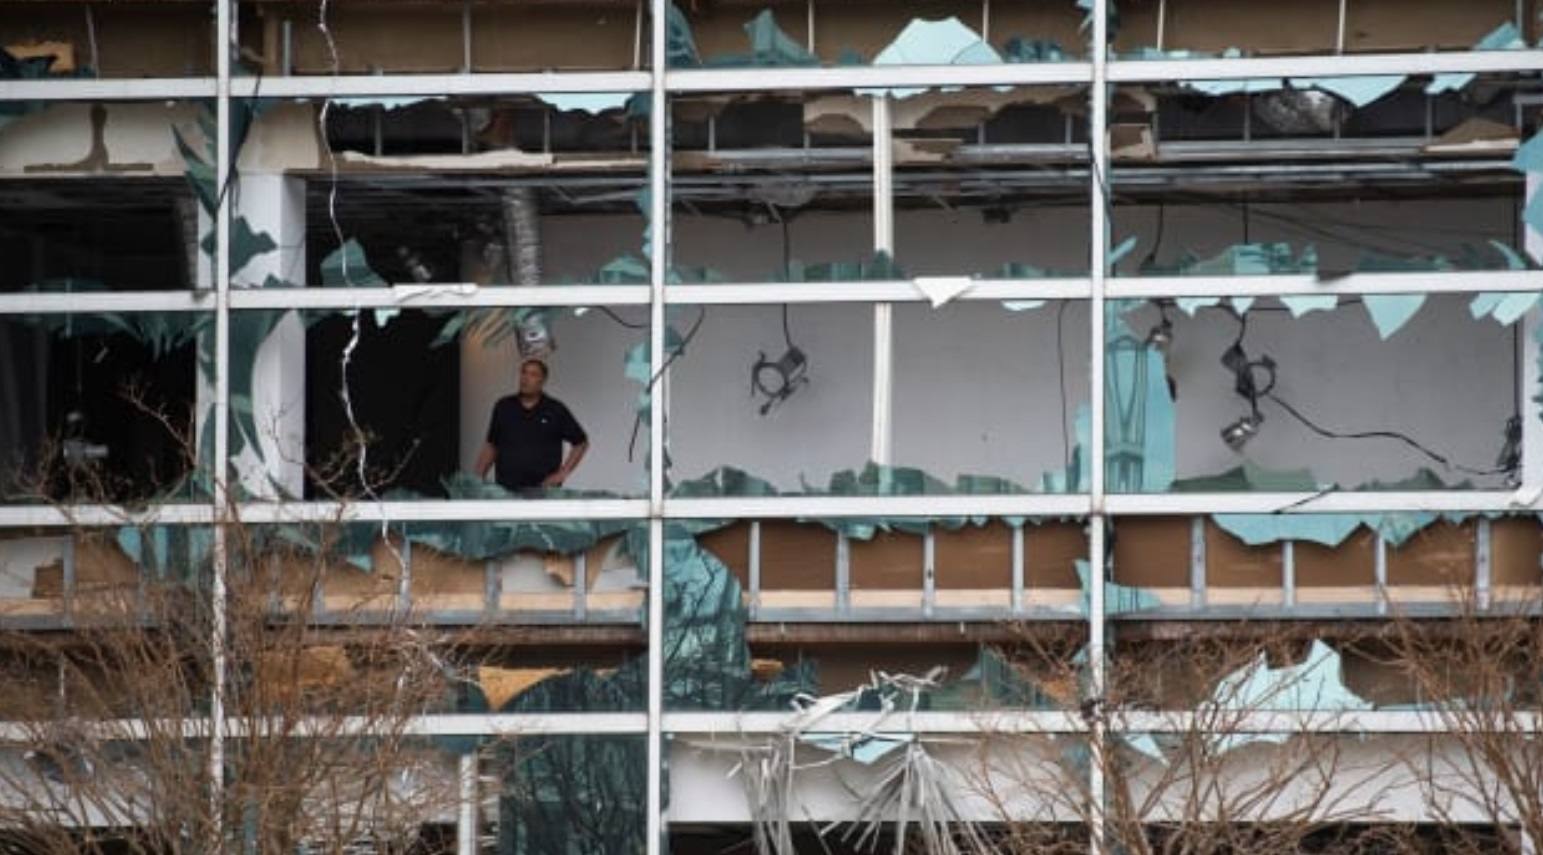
<point x="1261" y="411"/>
<point x="581" y="578"/>
<point x="971" y="436"/>
<point x="755" y="387"/>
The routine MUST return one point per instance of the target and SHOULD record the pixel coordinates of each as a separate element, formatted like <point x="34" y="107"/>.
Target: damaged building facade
<point x="1015" y="426"/>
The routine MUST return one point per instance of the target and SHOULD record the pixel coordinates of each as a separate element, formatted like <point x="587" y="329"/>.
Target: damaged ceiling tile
<point x="1131" y="142"/>
<point x="929" y="110"/>
<point x="1473" y="136"/>
<point x="482" y="160"/>
<point x="1359" y="91"/>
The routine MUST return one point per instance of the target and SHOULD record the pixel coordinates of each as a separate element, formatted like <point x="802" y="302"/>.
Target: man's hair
<point x="539" y="363"/>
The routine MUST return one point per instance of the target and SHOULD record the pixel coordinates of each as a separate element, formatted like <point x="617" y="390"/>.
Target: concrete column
<point x="1532" y="241"/>
<point x="273" y="465"/>
<point x="1531" y="372"/>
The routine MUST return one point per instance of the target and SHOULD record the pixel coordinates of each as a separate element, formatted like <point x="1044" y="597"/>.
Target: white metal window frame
<point x="750" y="79"/>
<point x="1099" y="72"/>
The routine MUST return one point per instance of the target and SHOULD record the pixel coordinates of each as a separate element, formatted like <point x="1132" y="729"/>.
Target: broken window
<point x="99" y="405"/>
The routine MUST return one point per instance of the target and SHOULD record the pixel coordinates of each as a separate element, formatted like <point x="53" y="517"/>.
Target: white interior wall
<point x="977" y="386"/>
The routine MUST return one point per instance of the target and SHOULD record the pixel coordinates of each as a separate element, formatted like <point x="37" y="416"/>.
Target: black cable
<point x="787" y="261"/>
<point x="1242" y="326"/>
<point x="680" y="350"/>
<point x="1157" y="238"/>
<point x="787" y="241"/>
<point x="631" y="325"/>
<point x="1379" y="434"/>
<point x="1310" y="225"/>
<point x="1337" y="230"/>
<point x="1267" y="394"/>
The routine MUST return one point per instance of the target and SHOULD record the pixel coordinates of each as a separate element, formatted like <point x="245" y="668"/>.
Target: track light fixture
<point x="77" y="449"/>
<point x="777" y="380"/>
<point x="1238" y="433"/>
<point x="1245" y="382"/>
<point x="417" y="268"/>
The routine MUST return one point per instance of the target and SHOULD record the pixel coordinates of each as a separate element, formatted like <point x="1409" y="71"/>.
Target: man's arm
<point x="485" y="458"/>
<point x="575" y="454"/>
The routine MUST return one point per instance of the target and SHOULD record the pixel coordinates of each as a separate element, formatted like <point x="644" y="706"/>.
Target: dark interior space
<point x="405" y="396"/>
<point x="118" y="419"/>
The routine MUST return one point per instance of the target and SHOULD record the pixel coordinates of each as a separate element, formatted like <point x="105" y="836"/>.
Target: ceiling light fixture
<point x="1300" y="111"/>
<point x="1241" y="431"/>
<point x="777" y="381"/>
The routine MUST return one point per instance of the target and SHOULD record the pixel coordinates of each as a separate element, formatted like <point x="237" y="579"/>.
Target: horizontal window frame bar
<point x="104" y="515"/>
<point x="687" y="81"/>
<point x="918" y="507"/>
<point x="63" y="303"/>
<point x="436" y="86"/>
<point x="126" y="89"/>
<point x="718" y="80"/>
<point x="448" y="295"/>
<point x="1320" y="65"/>
<point x="452" y="295"/>
<point x="867" y="291"/>
<point x="315" y="727"/>
<point x="1439" y="282"/>
<point x="1319" y="502"/>
<point x="1024" y="721"/>
<point x="442" y="510"/>
<point x="721" y="725"/>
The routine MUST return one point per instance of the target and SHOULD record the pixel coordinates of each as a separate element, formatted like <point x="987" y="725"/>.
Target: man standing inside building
<point x="526" y="435"/>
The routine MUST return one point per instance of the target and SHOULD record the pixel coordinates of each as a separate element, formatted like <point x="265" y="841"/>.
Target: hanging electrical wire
<point x="1512" y="426"/>
<point x="775" y="380"/>
<point x="1247" y="385"/>
<point x="678" y="351"/>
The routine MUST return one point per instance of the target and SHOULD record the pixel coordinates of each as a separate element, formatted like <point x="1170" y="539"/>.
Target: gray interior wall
<point x="978" y="387"/>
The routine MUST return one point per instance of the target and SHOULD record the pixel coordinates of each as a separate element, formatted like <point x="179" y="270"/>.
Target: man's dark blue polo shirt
<point x="529" y="440"/>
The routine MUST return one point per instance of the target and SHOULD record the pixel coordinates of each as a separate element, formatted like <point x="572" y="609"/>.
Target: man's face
<point x="532" y="378"/>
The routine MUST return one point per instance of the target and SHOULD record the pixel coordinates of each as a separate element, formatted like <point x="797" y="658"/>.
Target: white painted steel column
<point x="275" y="468"/>
<point x="1532" y="425"/>
<point x="658" y="248"/>
<point x="487" y="368"/>
<point x="466" y="806"/>
<point x="883" y="313"/>
<point x="1098" y="228"/>
<point x="219" y="471"/>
